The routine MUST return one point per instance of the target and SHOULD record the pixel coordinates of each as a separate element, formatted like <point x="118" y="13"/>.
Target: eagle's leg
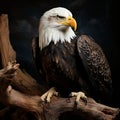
<point x="79" y="96"/>
<point x="47" y="96"/>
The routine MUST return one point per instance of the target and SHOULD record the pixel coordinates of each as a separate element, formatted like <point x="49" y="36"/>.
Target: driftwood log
<point x="20" y="93"/>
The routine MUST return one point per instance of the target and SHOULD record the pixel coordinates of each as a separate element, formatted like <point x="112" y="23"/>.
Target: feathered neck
<point x="52" y="34"/>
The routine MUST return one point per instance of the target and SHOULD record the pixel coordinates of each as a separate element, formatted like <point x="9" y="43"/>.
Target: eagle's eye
<point x="60" y="17"/>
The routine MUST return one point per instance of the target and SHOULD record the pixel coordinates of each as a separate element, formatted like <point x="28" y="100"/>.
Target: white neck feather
<point x="52" y="34"/>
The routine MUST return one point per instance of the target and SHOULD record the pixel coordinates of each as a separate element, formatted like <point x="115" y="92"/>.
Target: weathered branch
<point x="7" y="54"/>
<point x="6" y="51"/>
<point x="53" y="110"/>
<point x="22" y="81"/>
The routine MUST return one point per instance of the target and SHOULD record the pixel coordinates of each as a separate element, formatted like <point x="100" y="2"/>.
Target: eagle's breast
<point x="61" y="65"/>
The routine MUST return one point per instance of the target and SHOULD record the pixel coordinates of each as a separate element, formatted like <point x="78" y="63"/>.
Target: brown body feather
<point x="77" y="66"/>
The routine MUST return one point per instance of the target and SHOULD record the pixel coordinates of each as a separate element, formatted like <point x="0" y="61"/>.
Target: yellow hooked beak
<point x="70" y="21"/>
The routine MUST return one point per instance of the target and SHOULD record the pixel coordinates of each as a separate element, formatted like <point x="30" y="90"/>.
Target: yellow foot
<point x="47" y="96"/>
<point x="79" y="95"/>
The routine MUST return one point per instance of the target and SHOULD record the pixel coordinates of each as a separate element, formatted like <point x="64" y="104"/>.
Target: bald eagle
<point x="70" y="61"/>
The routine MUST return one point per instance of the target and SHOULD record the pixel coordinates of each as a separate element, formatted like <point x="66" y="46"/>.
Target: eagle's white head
<point x="56" y="25"/>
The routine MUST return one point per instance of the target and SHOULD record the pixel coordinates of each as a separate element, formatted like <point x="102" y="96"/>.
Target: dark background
<point x="95" y="17"/>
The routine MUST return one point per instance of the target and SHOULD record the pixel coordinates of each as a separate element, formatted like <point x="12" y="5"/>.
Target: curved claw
<point x="47" y="96"/>
<point x="79" y="95"/>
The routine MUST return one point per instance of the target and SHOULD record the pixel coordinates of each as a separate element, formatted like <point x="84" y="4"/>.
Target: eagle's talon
<point x="79" y="96"/>
<point x="84" y="100"/>
<point x="46" y="97"/>
<point x="75" y="105"/>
